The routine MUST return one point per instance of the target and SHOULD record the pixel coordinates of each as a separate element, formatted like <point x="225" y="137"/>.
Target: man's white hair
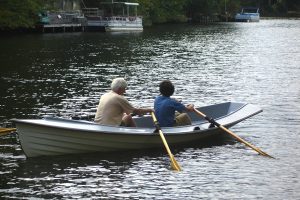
<point x="118" y="83"/>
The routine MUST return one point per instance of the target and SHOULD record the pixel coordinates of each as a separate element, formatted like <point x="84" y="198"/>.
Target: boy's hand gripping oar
<point x="212" y="121"/>
<point x="174" y="164"/>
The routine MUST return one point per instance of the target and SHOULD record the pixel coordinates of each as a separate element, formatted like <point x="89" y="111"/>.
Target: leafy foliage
<point x="162" y="11"/>
<point x="18" y="13"/>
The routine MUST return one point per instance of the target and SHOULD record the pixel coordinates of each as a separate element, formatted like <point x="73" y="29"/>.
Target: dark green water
<point x="65" y="74"/>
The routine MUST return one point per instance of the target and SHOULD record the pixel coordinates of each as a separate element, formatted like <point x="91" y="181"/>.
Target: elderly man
<point x="114" y="109"/>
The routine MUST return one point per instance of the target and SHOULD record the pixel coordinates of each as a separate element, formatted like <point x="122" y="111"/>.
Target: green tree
<point x="18" y="13"/>
<point x="162" y="11"/>
<point x="202" y="7"/>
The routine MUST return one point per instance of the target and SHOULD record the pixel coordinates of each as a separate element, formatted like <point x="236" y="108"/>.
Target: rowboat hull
<point x="56" y="136"/>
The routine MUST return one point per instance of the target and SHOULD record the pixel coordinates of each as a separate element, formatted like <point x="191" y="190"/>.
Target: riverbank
<point x="69" y="28"/>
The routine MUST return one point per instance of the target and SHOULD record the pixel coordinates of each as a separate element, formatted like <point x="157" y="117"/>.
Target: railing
<point x="63" y="17"/>
<point x="92" y="12"/>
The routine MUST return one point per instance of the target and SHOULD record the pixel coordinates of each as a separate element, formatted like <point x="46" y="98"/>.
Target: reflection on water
<point x="65" y="74"/>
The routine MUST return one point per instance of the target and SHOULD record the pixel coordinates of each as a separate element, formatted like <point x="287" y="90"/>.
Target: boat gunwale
<point x="109" y="129"/>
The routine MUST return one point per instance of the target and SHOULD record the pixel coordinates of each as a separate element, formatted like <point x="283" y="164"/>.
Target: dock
<point x="54" y="28"/>
<point x="62" y="21"/>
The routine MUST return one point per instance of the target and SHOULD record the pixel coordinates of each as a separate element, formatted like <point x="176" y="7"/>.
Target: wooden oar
<point x="174" y="164"/>
<point x="5" y="131"/>
<point x="212" y="121"/>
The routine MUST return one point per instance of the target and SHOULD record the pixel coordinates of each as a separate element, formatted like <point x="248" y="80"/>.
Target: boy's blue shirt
<point x="165" y="108"/>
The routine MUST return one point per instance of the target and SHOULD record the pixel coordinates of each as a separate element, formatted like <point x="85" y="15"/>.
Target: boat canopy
<point x="118" y="2"/>
<point x="131" y="4"/>
<point x="250" y="10"/>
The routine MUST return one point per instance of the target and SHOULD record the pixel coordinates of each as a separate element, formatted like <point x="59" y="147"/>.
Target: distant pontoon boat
<point x="119" y="18"/>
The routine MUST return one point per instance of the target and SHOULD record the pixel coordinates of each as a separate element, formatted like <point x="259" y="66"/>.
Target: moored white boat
<point x="248" y="15"/>
<point x="56" y="136"/>
<point x="122" y="22"/>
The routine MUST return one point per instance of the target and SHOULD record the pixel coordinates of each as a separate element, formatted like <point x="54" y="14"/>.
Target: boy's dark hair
<point x="166" y="88"/>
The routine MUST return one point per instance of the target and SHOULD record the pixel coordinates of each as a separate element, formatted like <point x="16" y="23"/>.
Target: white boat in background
<point x="56" y="136"/>
<point x="98" y="19"/>
<point x="248" y="14"/>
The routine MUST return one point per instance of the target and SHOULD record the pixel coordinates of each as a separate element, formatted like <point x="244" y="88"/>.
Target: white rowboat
<point x="57" y="136"/>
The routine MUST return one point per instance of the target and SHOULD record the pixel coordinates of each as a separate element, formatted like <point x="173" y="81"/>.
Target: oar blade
<point x="264" y="153"/>
<point x="174" y="164"/>
<point x="246" y="143"/>
<point x="232" y="134"/>
<point x="6" y="131"/>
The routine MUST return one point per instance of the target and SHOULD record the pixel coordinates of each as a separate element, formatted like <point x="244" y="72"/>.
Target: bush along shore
<point x="24" y="16"/>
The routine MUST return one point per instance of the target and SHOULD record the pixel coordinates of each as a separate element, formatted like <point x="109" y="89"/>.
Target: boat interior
<point x="214" y="111"/>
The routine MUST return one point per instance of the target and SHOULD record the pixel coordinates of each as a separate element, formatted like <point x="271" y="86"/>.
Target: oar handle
<point x="157" y="126"/>
<point x="211" y="120"/>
